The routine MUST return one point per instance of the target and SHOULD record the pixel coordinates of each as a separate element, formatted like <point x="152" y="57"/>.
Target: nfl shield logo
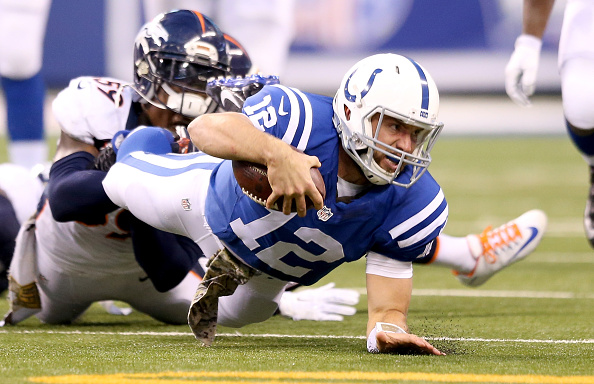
<point x="185" y="203"/>
<point x="325" y="213"/>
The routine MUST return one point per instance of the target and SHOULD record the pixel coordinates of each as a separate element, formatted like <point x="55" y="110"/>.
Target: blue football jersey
<point x="394" y="221"/>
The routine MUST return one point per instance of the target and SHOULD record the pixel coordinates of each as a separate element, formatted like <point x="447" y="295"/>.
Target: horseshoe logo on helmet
<point x="350" y="97"/>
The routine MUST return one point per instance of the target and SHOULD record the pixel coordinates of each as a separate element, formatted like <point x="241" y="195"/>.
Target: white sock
<point x="28" y="153"/>
<point x="455" y="253"/>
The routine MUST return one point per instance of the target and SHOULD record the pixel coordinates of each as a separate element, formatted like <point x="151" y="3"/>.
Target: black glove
<point x="105" y="159"/>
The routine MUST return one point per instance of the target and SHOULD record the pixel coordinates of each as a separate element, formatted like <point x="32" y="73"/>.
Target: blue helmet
<point x="178" y="52"/>
<point x="239" y="61"/>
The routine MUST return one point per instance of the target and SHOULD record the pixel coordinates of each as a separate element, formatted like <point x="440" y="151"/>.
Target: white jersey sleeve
<point x="93" y="108"/>
<point x="165" y="191"/>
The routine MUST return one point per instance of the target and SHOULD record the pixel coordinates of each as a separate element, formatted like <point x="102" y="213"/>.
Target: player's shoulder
<point x="93" y="107"/>
<point x="287" y="101"/>
<point x="415" y="217"/>
<point x="102" y="92"/>
<point x="423" y="201"/>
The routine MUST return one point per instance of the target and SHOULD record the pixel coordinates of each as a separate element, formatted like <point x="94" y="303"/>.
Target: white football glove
<point x="320" y="304"/>
<point x="521" y="70"/>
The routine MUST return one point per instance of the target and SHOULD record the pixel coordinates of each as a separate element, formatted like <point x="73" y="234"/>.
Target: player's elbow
<point x="199" y="128"/>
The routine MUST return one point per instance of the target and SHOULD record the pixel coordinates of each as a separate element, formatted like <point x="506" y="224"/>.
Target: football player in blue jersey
<point x="372" y="145"/>
<point x="87" y="249"/>
<point x="576" y="68"/>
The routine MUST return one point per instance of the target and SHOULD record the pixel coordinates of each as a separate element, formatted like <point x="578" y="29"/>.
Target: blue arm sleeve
<point x="165" y="257"/>
<point x="75" y="192"/>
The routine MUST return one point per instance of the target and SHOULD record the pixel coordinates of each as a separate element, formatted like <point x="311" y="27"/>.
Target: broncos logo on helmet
<point x="178" y="52"/>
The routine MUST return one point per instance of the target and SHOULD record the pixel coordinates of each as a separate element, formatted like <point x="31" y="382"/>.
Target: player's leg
<point x="576" y="67"/>
<point x="23" y="85"/>
<point x="64" y="296"/>
<point x="578" y="106"/>
<point x="477" y="257"/>
<point x="170" y="307"/>
<point x="253" y="302"/>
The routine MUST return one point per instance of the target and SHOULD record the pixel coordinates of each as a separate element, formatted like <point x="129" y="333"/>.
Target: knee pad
<point x="577" y="85"/>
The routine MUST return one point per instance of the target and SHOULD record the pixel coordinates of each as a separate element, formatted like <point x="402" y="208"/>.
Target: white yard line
<point x="484" y="293"/>
<point x="507" y="294"/>
<point x="272" y="335"/>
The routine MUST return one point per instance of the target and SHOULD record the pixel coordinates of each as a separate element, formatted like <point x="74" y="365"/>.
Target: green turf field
<point x="533" y="323"/>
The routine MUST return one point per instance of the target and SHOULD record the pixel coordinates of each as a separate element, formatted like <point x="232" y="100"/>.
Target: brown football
<point x="253" y="180"/>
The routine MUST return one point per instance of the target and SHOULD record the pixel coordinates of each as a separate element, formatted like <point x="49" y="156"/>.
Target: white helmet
<point x="396" y="86"/>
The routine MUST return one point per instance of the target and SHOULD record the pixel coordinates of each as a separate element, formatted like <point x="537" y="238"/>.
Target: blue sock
<point x="583" y="139"/>
<point x="24" y="107"/>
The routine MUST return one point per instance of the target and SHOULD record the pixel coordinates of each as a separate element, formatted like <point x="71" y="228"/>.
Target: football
<point x="253" y="180"/>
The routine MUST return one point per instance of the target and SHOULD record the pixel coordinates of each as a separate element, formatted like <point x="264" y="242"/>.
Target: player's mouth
<point x="391" y="163"/>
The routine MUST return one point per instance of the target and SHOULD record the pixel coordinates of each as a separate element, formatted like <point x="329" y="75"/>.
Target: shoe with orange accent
<point x="495" y="249"/>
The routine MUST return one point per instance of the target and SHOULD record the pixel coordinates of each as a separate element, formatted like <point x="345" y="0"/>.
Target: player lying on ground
<point x="81" y="248"/>
<point x="371" y="146"/>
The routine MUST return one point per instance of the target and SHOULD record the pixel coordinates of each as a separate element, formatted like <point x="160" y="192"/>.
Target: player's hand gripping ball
<point x="253" y="180"/>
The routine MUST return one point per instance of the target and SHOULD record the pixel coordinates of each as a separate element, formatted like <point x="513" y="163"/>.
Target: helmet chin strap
<point x="189" y="104"/>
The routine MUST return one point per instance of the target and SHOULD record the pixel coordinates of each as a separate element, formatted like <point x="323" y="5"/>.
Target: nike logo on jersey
<point x="281" y="108"/>
<point x="143" y="279"/>
<point x="82" y="84"/>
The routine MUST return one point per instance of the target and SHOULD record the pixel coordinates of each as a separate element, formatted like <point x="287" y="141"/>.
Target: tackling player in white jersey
<point x="86" y="248"/>
<point x="371" y="145"/>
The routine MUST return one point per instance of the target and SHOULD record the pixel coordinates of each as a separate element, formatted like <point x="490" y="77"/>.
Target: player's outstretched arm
<point x="388" y="300"/>
<point x="233" y="136"/>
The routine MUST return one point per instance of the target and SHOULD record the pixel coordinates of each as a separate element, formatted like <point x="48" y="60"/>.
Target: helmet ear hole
<point x="347" y="113"/>
<point x="142" y="68"/>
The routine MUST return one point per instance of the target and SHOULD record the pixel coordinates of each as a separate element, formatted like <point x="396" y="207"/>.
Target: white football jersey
<point x="93" y="107"/>
<point x="90" y="107"/>
<point x="86" y="249"/>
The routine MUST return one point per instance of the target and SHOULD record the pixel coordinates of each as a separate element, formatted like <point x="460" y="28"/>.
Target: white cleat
<point x="495" y="249"/>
